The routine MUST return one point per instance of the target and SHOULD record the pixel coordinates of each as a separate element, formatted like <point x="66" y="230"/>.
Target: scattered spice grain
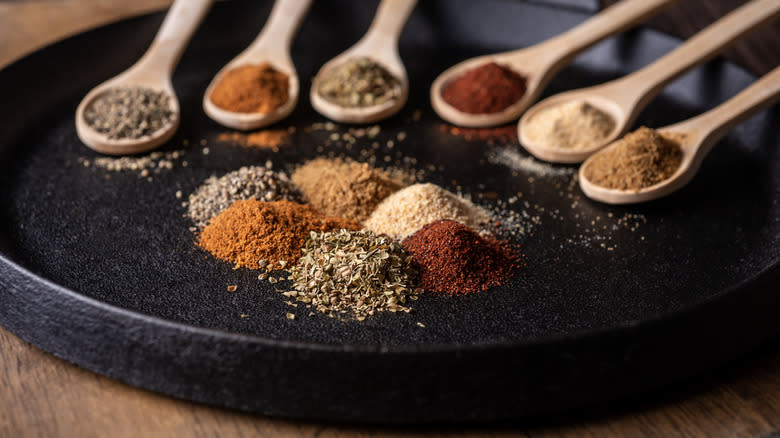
<point x="355" y="272"/>
<point x="502" y="134"/>
<point x="144" y="165"/>
<point x="641" y="159"/>
<point x="344" y="188"/>
<point x="253" y="88"/>
<point x="409" y="209"/>
<point x="264" y="139"/>
<point x="259" y="235"/>
<point x="129" y="112"/>
<point x="489" y="88"/>
<point x="574" y="125"/>
<point x="455" y="260"/>
<point x="358" y="82"/>
<point x="215" y="195"/>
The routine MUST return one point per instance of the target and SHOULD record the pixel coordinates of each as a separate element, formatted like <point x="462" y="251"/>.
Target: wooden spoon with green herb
<point x="380" y="45"/>
<point x="150" y="76"/>
<point x="695" y="137"/>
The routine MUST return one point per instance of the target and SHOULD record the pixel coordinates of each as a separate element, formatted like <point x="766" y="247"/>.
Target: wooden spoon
<point x="380" y="43"/>
<point x="623" y="99"/>
<point x="153" y="71"/>
<point x="539" y="63"/>
<point x="696" y="137"/>
<point x="272" y="45"/>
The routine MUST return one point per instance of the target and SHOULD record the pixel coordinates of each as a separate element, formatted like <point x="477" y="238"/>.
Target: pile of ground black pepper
<point x="454" y="260"/>
<point x="215" y="195"/>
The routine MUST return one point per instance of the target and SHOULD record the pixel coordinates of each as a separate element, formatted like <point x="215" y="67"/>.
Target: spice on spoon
<point x="641" y="159"/>
<point x="129" y="112"/>
<point x="354" y="271"/>
<point x="358" y="82"/>
<point x="251" y="89"/>
<point x="489" y="88"/>
<point x="574" y="125"/>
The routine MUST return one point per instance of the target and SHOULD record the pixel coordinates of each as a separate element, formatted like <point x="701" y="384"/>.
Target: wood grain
<point x="43" y="396"/>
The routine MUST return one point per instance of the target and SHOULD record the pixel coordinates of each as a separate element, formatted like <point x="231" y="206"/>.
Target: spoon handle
<point x="621" y="16"/>
<point x="639" y="88"/>
<point x="712" y="125"/>
<point x="282" y="25"/>
<point x="177" y="29"/>
<point x="389" y="21"/>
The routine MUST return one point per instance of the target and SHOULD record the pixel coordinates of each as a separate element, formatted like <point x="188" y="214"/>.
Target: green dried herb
<point x="354" y="271"/>
<point x="359" y="82"/>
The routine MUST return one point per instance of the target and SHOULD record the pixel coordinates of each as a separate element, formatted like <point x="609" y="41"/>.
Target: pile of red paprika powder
<point x="489" y="88"/>
<point x="455" y="260"/>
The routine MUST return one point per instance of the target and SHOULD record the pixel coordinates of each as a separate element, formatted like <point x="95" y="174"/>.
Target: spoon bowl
<point x="623" y="99"/>
<point x="272" y="45"/>
<point x="602" y="103"/>
<point x="696" y="137"/>
<point x="152" y="71"/>
<point x="250" y="121"/>
<point x="380" y="44"/>
<point x="360" y="115"/>
<point x="541" y="62"/>
<point x="525" y="62"/>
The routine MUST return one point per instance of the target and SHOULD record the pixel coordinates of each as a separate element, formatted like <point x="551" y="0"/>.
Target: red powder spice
<point x="503" y="134"/>
<point x="489" y="88"/>
<point x="455" y="260"/>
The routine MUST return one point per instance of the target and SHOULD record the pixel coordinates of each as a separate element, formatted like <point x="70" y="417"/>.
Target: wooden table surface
<point x="41" y="395"/>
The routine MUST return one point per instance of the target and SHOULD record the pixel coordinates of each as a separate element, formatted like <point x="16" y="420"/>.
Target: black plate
<point x="102" y="271"/>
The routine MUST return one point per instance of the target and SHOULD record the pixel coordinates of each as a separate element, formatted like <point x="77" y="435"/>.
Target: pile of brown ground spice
<point x="640" y="159"/>
<point x="344" y="188"/>
<point x="251" y="89"/>
<point x="265" y="235"/>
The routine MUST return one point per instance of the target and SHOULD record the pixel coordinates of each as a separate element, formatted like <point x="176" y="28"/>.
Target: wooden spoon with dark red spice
<point x="539" y="63"/>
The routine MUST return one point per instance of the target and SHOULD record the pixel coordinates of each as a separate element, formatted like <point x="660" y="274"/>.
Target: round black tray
<point x="100" y="268"/>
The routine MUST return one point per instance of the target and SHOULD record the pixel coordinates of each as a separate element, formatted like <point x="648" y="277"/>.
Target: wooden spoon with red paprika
<point x="536" y="65"/>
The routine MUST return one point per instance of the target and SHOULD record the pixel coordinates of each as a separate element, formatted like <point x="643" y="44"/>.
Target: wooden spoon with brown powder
<point x="695" y="137"/>
<point x="623" y="99"/>
<point x="272" y="46"/>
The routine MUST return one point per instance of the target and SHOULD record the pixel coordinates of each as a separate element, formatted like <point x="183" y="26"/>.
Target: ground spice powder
<point x="489" y="88"/>
<point x="251" y="89"/>
<point x="252" y="231"/>
<point x="407" y="210"/>
<point x="344" y="188"/>
<point x="453" y="259"/>
<point x="574" y="125"/>
<point x="640" y="159"/>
